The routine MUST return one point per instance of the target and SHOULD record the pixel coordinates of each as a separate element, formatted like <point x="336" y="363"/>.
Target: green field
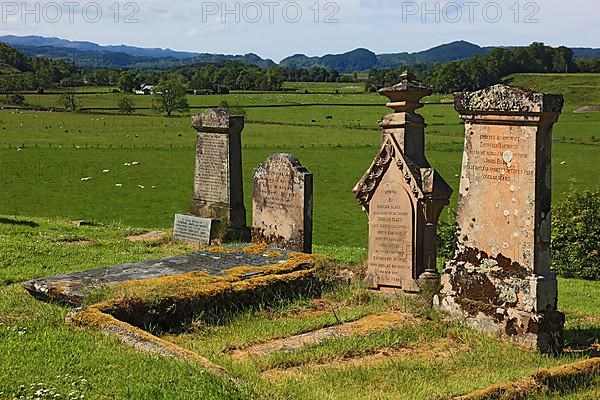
<point x="44" y="178"/>
<point x="433" y="359"/>
<point x="44" y="156"/>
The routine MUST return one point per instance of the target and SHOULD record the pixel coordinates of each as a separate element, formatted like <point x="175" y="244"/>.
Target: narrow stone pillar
<point x="499" y="280"/>
<point x="218" y="186"/>
<point x="404" y="198"/>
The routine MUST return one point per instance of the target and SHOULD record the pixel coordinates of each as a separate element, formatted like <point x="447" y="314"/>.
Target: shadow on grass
<point x="31" y="224"/>
<point x="584" y="340"/>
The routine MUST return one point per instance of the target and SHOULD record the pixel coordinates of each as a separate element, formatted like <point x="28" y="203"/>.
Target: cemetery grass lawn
<point x="45" y="183"/>
<point x="38" y="348"/>
<point x="39" y="352"/>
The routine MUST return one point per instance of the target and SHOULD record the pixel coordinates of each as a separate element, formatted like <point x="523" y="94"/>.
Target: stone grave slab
<point x="71" y="288"/>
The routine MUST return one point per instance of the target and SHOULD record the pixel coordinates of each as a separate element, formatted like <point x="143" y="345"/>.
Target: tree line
<point x="19" y="72"/>
<point x="482" y="71"/>
<point x="221" y="78"/>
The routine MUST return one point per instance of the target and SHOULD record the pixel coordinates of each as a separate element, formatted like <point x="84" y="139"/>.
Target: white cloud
<point x="192" y="33"/>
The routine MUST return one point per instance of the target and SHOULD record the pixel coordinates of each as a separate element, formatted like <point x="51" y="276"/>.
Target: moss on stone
<point x="170" y="301"/>
<point x="561" y="378"/>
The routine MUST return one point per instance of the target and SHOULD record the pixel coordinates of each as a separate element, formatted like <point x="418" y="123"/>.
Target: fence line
<point x="175" y="146"/>
<point x="172" y="146"/>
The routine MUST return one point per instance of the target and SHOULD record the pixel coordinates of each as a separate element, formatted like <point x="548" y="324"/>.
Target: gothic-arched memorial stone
<point x="403" y="197"/>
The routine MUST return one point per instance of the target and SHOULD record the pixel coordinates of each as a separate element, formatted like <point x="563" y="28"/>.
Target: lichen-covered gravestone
<point x="282" y="204"/>
<point x="218" y="188"/>
<point x="499" y="280"/>
<point x="404" y="198"/>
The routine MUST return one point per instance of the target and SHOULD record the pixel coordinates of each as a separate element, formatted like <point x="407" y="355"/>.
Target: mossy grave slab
<point x="72" y="288"/>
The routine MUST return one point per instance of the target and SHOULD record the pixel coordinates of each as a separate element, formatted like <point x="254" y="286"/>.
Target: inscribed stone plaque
<point x="211" y="183"/>
<point x="498" y="191"/>
<point x="391" y="228"/>
<point x="282" y="204"/>
<point x="192" y="229"/>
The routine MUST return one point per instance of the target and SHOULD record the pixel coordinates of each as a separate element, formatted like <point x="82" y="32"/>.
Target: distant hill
<point x="356" y="60"/>
<point x="12" y="61"/>
<point x="363" y="59"/>
<point x="249" y="58"/>
<point x="586" y="52"/>
<point x="444" y="53"/>
<point x="88" y="54"/>
<point x="39" y="41"/>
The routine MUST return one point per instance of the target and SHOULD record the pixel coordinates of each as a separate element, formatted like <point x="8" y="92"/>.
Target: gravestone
<point x="190" y="229"/>
<point x="403" y="197"/>
<point x="282" y="204"/>
<point x="499" y="280"/>
<point x="218" y="188"/>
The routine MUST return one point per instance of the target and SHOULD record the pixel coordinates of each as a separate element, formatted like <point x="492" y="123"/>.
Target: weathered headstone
<point x="499" y="280"/>
<point x="218" y="188"/>
<point x="404" y="198"/>
<point x="190" y="229"/>
<point x="282" y="204"/>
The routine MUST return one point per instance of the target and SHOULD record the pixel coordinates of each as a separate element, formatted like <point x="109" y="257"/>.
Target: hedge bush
<point x="576" y="235"/>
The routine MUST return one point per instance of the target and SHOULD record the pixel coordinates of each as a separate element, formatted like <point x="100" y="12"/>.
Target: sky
<point x="277" y="29"/>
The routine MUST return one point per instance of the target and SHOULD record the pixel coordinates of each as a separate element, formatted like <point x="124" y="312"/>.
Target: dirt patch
<point x="591" y="319"/>
<point x="79" y="224"/>
<point x="76" y="242"/>
<point x="366" y="325"/>
<point x="147" y="237"/>
<point x="592" y="350"/>
<point x="587" y="109"/>
<point x="439" y="349"/>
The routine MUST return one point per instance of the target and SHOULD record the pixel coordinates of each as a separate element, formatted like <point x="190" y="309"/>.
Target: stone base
<point x="429" y="282"/>
<point x="538" y="331"/>
<point x="229" y="224"/>
<point x="411" y="287"/>
<point x="241" y="235"/>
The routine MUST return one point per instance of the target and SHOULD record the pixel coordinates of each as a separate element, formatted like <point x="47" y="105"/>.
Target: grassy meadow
<point x="336" y="142"/>
<point x="45" y="155"/>
<point x="426" y="358"/>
